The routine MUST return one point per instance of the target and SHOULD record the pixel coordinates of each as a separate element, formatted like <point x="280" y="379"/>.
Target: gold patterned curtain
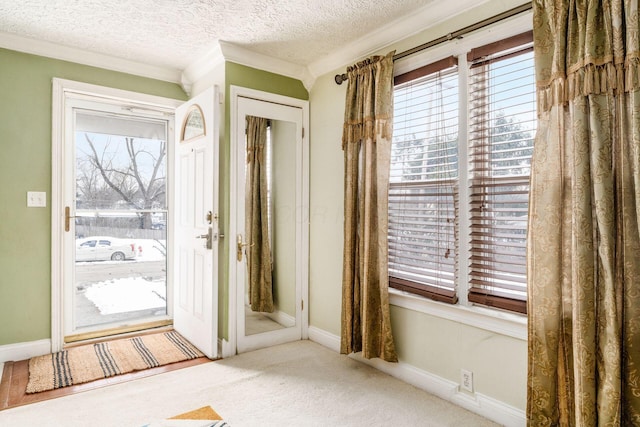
<point x="259" y="264"/>
<point x="366" y="142"/>
<point x="583" y="238"/>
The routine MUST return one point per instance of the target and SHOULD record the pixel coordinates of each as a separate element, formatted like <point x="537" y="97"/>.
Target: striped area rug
<point x="79" y="365"/>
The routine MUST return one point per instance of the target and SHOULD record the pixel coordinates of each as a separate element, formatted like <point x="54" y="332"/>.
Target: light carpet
<point x="86" y="363"/>
<point x="296" y="384"/>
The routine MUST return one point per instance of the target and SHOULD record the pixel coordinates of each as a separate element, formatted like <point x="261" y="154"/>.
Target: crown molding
<point x="225" y="51"/>
<point x="243" y="56"/>
<point x="200" y="67"/>
<point x="85" y="57"/>
<point x="393" y="32"/>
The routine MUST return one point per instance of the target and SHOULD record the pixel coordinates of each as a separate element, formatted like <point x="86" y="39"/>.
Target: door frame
<point x="234" y="228"/>
<point x="61" y="91"/>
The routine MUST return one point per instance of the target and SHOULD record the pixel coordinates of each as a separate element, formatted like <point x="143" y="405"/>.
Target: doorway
<point x="115" y="226"/>
<point x="116" y="214"/>
<point x="113" y="170"/>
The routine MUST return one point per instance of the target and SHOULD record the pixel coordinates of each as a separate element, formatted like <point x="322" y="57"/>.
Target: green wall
<point x="252" y="78"/>
<point x="25" y="165"/>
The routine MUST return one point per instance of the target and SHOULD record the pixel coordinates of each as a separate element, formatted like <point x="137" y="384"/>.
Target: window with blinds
<point x="423" y="195"/>
<point x="425" y="230"/>
<point x="502" y="122"/>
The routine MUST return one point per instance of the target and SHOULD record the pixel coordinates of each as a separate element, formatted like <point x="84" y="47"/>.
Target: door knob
<point x="239" y="247"/>
<point x="209" y="236"/>
<point x="67" y="218"/>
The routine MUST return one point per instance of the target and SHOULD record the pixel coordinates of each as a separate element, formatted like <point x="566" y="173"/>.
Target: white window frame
<point x="498" y="321"/>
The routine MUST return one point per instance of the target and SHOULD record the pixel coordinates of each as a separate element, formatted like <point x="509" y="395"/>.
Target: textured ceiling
<point x="175" y="33"/>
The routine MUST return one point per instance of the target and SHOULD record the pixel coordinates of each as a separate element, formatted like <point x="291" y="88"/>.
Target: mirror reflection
<point x="270" y="225"/>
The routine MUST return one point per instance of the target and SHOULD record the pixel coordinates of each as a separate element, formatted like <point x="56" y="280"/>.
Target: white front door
<point x="195" y="226"/>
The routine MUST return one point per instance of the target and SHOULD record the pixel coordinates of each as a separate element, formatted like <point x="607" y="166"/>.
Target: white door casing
<point x="67" y="93"/>
<point x="250" y="102"/>
<point x="195" y="313"/>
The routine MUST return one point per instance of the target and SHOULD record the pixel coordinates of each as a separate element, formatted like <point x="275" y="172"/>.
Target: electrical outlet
<point x="466" y="380"/>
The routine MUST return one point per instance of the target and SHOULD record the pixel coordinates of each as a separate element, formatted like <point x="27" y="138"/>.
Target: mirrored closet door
<point x="270" y="240"/>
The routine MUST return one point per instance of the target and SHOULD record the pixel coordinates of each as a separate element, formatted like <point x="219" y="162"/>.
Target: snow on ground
<point x="132" y="293"/>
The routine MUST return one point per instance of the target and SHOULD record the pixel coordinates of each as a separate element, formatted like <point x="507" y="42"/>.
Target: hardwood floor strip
<point x="5" y="384"/>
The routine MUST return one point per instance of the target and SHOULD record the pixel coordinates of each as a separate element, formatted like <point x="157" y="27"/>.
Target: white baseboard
<point x="24" y="350"/>
<point x="324" y="338"/>
<point x="227" y="349"/>
<point x="478" y="403"/>
<point x="282" y="318"/>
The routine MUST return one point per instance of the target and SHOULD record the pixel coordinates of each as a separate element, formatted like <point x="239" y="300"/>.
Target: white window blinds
<point x="502" y="122"/>
<point x="423" y="195"/>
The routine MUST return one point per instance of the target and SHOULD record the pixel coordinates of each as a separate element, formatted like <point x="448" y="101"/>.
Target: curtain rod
<point x="339" y="78"/>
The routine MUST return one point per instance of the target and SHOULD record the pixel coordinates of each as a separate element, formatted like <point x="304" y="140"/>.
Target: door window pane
<point x="121" y="217"/>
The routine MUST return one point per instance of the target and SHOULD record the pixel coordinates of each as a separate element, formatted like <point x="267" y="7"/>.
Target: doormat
<point x="90" y="362"/>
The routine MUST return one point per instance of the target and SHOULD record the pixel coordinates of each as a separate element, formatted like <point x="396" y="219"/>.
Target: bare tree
<point x="91" y="190"/>
<point x="140" y="188"/>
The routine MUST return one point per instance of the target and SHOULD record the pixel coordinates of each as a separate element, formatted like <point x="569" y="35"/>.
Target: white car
<point x="99" y="248"/>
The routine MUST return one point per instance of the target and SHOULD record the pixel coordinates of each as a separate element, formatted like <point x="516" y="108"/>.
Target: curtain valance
<point x="584" y="48"/>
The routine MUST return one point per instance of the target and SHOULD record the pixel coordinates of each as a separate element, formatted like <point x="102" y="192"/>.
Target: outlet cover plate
<point x="36" y="199"/>
<point x="466" y="380"/>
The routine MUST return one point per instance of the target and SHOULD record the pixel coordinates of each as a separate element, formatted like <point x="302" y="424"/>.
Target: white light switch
<point x="36" y="199"/>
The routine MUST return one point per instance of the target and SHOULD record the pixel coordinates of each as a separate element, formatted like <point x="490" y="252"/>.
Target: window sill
<point x="497" y="321"/>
